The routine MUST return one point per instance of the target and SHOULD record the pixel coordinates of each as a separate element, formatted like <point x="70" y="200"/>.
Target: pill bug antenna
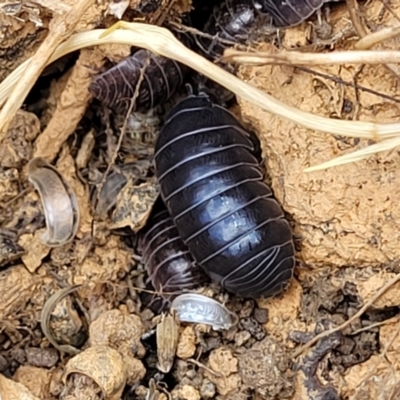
<point x="189" y="89"/>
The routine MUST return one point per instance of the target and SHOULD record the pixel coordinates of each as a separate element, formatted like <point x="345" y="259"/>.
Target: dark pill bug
<point x="116" y="87"/>
<point x="212" y="185"/>
<point x="239" y="20"/>
<point x="167" y="259"/>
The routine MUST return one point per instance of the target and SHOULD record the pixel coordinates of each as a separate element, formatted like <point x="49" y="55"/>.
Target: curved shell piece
<point x="200" y="309"/>
<point x="103" y="365"/>
<point x="59" y="201"/>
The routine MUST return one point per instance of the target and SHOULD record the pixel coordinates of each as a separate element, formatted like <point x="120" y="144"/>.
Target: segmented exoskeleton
<point x="212" y="185"/>
<point x="286" y="13"/>
<point x="167" y="259"/>
<point x="241" y="21"/>
<point x="116" y="87"/>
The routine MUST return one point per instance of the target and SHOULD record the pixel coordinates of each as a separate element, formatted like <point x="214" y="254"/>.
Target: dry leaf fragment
<point x="17" y="288"/>
<point x="167" y="341"/>
<point x="224" y="364"/>
<point x="35" y="250"/>
<point x="134" y="204"/>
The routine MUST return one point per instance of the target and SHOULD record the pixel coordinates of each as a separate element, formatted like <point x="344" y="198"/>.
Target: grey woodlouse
<point x="212" y="185"/>
<point x="167" y="259"/>
<point x="116" y="87"/>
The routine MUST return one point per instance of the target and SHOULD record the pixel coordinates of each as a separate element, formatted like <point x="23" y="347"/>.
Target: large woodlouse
<point x="167" y="259"/>
<point x="212" y="185"/>
<point x="116" y="87"/>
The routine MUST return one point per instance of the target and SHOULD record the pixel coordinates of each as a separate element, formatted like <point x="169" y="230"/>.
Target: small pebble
<point x="261" y="315"/>
<point x="241" y="338"/>
<point x="246" y="309"/>
<point x="3" y="363"/>
<point x="253" y="327"/>
<point x="38" y="357"/>
<point x="207" y="390"/>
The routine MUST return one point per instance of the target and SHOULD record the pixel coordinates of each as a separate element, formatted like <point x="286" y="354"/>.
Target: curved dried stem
<point x="161" y="41"/>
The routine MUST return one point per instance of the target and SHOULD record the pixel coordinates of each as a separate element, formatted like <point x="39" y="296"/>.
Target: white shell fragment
<point x="59" y="201"/>
<point x="200" y="309"/>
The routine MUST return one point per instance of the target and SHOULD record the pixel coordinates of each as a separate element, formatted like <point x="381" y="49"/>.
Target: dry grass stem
<point x="358" y="155"/>
<point x="300" y="58"/>
<point x="161" y="41"/>
<point x="60" y="28"/>
<point x="373" y="39"/>
<point x="362" y="310"/>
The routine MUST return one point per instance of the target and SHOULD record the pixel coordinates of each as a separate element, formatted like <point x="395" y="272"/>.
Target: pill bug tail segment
<point x="162" y="77"/>
<point x="212" y="184"/>
<point x="169" y="264"/>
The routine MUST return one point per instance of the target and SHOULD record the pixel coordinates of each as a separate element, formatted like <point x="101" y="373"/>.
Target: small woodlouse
<point x="116" y="87"/>
<point x="239" y="20"/>
<point x="212" y="185"/>
<point x="167" y="259"/>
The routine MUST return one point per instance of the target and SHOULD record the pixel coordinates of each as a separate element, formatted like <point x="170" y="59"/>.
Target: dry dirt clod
<point x="187" y="343"/>
<point x="265" y="368"/>
<point x="11" y="390"/>
<point x="186" y="392"/>
<point x="37" y="380"/>
<point x="123" y="333"/>
<point x="225" y="367"/>
<point x="18" y="143"/>
<point x="167" y="341"/>
<point x="115" y="329"/>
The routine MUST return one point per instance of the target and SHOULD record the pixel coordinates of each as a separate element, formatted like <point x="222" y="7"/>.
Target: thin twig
<point x="340" y="81"/>
<point x="123" y="130"/>
<point x="199" y="364"/>
<point x="378" y="361"/>
<point x="350" y="320"/>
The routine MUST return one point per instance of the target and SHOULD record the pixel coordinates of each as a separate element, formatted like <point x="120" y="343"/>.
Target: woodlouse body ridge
<point x="212" y="184"/>
<point x="116" y="87"/>
<point x="167" y="259"/>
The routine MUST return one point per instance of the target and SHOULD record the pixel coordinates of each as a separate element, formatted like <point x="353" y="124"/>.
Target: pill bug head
<point x="232" y="22"/>
<point x="168" y="262"/>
